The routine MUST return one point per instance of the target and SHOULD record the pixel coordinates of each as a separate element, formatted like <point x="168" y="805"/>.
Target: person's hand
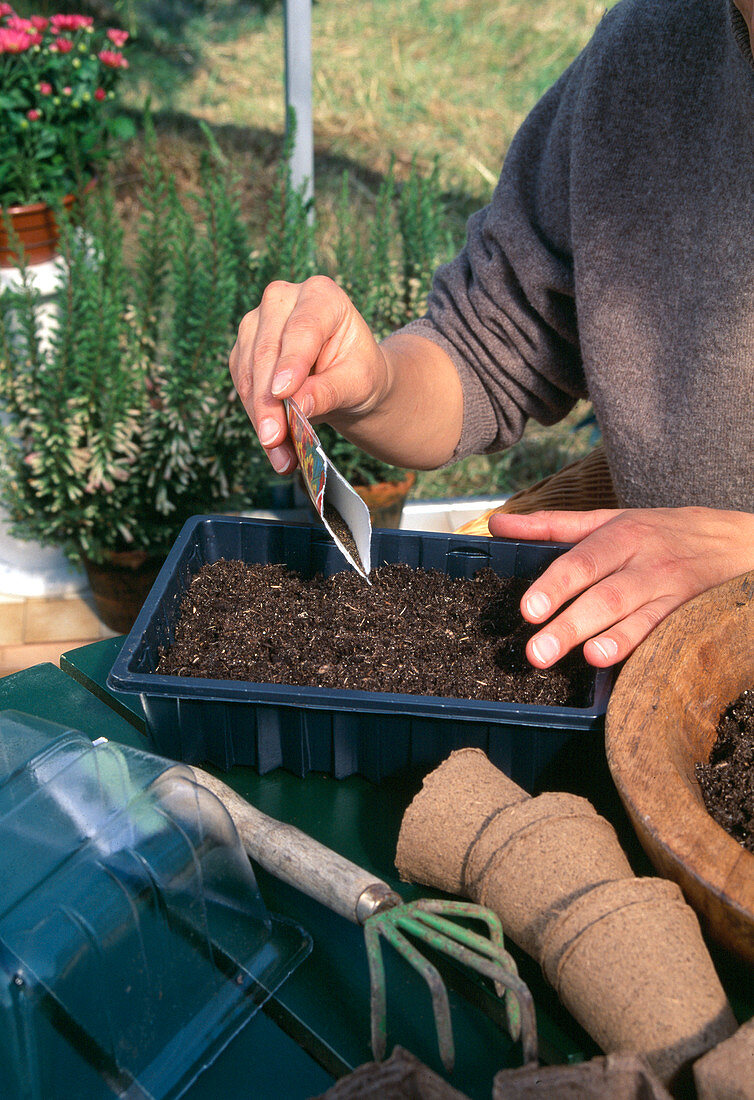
<point x="626" y="573"/>
<point x="306" y="341"/>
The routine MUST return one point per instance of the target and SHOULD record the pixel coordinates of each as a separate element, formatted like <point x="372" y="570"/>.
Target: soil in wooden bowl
<point x="412" y="631"/>
<point x="727" y="779"/>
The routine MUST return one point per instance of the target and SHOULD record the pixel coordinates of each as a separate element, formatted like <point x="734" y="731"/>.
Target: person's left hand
<point x="627" y="572"/>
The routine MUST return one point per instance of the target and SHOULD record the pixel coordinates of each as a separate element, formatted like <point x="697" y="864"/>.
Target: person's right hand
<point x="309" y="342"/>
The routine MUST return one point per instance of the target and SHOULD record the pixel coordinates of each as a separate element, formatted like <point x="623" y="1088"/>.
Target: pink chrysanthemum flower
<point x="64" y="22"/>
<point x="14" y="41"/>
<point x="113" y="59"/>
<point x="62" y="45"/>
<point x="117" y="37"/>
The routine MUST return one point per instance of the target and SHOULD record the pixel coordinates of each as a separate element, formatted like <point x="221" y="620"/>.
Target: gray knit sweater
<point x="616" y="261"/>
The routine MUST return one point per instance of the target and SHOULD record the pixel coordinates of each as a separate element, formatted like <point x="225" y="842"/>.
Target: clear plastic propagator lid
<point x="134" y="942"/>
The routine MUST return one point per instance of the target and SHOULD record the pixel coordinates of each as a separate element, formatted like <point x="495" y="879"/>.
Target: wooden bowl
<point x="661" y="722"/>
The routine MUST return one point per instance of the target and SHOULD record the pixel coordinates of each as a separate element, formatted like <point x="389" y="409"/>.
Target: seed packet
<point x="341" y="509"/>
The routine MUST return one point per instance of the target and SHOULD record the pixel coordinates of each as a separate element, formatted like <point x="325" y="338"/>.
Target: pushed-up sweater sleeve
<point x="503" y="309"/>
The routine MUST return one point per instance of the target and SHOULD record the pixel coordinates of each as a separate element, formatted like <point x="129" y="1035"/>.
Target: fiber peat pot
<point x="660" y="723"/>
<point x="340" y="732"/>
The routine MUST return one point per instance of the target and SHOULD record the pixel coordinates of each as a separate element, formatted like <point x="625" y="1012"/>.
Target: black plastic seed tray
<point x="339" y="732"/>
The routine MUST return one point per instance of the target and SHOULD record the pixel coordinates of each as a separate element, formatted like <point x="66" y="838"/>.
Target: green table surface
<point x="322" y="1011"/>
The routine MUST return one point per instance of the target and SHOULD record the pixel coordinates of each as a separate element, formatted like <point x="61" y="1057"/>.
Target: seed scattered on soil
<point x="727" y="779"/>
<point x="412" y="631"/>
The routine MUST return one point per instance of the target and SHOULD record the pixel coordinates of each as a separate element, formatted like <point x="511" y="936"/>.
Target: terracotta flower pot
<point x="35" y="226"/>
<point x="121" y="585"/>
<point x="385" y="500"/>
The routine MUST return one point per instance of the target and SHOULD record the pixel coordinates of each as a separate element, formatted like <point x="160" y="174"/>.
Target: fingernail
<point x="608" y="647"/>
<point x="307" y="405"/>
<point x="280" y="458"/>
<point x="538" y="605"/>
<point x="545" y="648"/>
<point x="281" y="381"/>
<point x="268" y="430"/>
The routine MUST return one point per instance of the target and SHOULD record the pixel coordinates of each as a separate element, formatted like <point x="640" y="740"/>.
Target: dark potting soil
<point x="413" y="631"/>
<point x="727" y="780"/>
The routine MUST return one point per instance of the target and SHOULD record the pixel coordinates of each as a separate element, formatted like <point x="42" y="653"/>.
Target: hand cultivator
<point x="304" y="863"/>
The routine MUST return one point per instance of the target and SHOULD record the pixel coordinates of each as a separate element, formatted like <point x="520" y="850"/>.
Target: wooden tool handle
<point x="300" y="860"/>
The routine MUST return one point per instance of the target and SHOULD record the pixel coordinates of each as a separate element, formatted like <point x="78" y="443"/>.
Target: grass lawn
<point x="394" y="80"/>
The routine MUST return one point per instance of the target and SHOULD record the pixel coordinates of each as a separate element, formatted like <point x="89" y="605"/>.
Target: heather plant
<point x="423" y="240"/>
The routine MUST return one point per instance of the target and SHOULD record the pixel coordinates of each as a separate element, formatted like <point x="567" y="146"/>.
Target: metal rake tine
<point x="448" y="908"/>
<point x="385" y="924"/>
<point x="435" y="913"/>
<point x="377" y="995"/>
<point x="524" y="1020"/>
<point x="476" y="952"/>
<point x="438" y="992"/>
<point x="494" y="947"/>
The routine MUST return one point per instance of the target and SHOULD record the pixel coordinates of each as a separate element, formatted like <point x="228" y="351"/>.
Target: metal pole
<point x="298" y="90"/>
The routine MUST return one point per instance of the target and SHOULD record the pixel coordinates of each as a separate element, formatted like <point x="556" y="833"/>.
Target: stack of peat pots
<point x="625" y="954"/>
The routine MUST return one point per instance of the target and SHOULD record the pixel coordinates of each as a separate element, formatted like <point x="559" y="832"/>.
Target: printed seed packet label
<point x="341" y="509"/>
